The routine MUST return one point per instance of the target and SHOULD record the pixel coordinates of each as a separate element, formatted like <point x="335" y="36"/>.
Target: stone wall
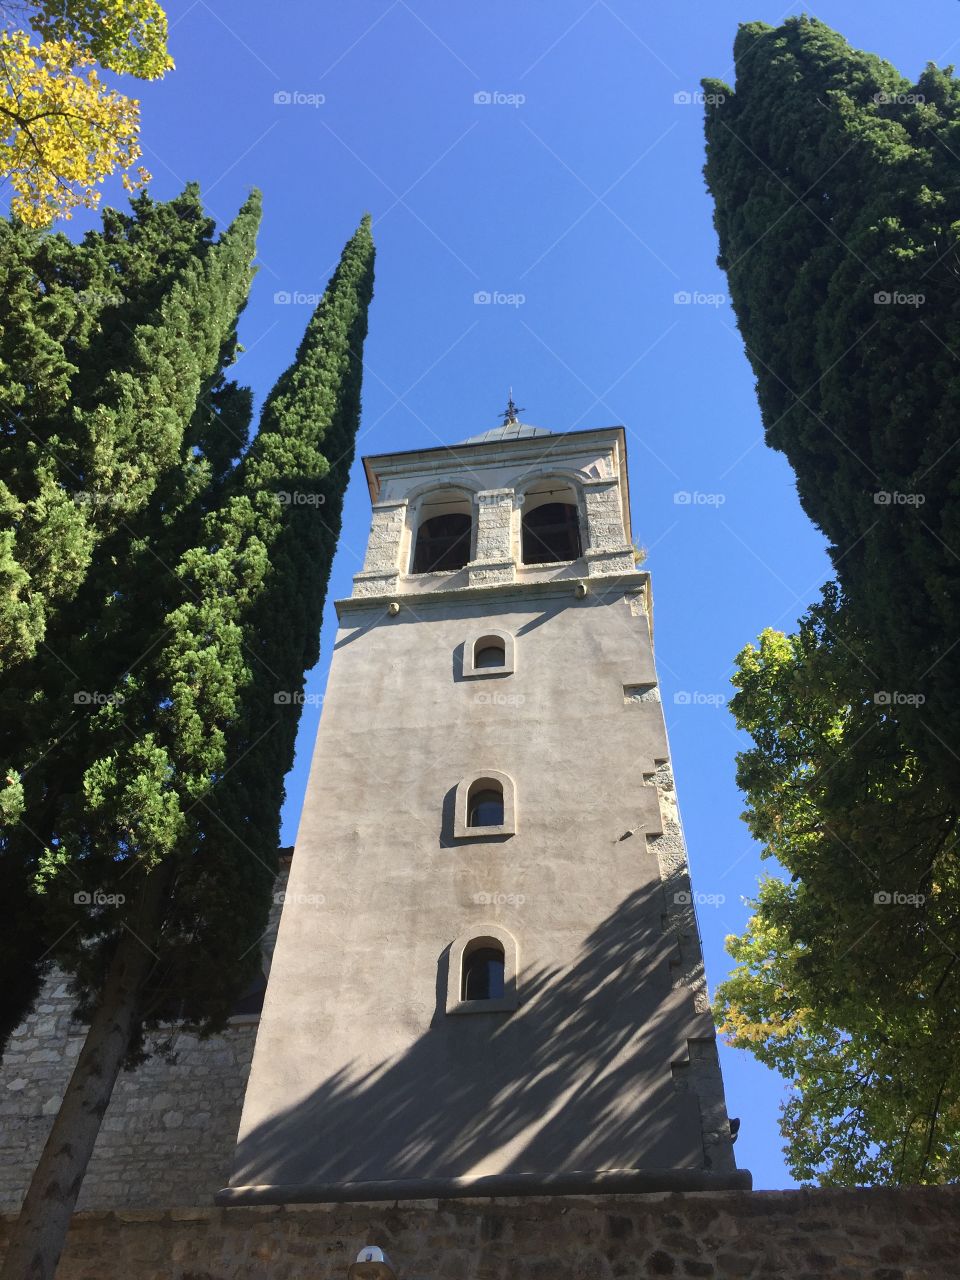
<point x="169" y="1133"/>
<point x="911" y="1234"/>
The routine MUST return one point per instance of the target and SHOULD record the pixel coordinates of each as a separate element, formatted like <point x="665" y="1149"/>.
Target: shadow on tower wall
<point x="580" y="1077"/>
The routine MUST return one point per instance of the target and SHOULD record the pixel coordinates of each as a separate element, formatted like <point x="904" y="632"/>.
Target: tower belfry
<point x="488" y="978"/>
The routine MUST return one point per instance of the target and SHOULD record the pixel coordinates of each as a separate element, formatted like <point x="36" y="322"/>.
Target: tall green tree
<point x="105" y="349"/>
<point x="848" y="976"/>
<point x="837" y="197"/>
<point x="160" y="813"/>
<point x="112" y="383"/>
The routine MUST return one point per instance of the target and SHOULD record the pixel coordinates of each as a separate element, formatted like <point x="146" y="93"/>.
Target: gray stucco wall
<point x="609" y="1062"/>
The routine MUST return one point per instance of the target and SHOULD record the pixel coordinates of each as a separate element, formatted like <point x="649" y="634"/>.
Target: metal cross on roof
<point x="510" y="413"/>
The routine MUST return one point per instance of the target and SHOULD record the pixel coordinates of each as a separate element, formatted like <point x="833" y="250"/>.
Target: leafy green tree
<point x="847" y="978"/>
<point x="150" y="829"/>
<point x="838" y="212"/>
<point x="127" y="36"/>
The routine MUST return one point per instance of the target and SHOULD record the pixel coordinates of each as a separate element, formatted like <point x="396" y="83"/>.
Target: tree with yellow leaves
<point x="62" y="130"/>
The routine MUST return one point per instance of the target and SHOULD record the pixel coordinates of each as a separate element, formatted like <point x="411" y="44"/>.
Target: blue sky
<point x="577" y="194"/>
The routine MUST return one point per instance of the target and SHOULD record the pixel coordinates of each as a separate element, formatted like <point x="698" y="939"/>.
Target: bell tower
<point x="488" y="977"/>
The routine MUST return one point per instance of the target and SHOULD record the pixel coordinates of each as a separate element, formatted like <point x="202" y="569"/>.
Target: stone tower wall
<point x="599" y="1057"/>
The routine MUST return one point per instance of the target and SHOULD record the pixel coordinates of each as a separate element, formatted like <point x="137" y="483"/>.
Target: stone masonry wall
<point x="169" y="1133"/>
<point x="910" y="1234"/>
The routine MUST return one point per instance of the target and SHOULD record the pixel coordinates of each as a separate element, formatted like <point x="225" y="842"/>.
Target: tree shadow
<point x="588" y="1074"/>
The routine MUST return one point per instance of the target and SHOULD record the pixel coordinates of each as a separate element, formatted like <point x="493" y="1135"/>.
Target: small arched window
<point x="484" y="967"/>
<point x="482" y="971"/>
<point x="489" y="651"/>
<point x="485" y="804"/>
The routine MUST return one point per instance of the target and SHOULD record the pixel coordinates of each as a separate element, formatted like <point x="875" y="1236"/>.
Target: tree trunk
<point x="39" y="1235"/>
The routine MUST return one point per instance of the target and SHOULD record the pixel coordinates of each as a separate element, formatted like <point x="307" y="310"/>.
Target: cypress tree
<point x="838" y="213"/>
<point x="162" y="812"/>
<point x="104" y="351"/>
<point x="112" y="353"/>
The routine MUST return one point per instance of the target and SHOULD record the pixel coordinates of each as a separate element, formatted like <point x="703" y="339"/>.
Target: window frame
<point x="480" y="936"/>
<point x="471" y="671"/>
<point x="461" y="829"/>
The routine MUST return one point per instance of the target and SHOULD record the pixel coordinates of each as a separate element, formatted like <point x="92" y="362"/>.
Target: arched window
<point x="489" y="651"/>
<point x="485" y="804"/>
<point x="550" y="529"/>
<point x="483" y="972"/>
<point x="444" y="534"/>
